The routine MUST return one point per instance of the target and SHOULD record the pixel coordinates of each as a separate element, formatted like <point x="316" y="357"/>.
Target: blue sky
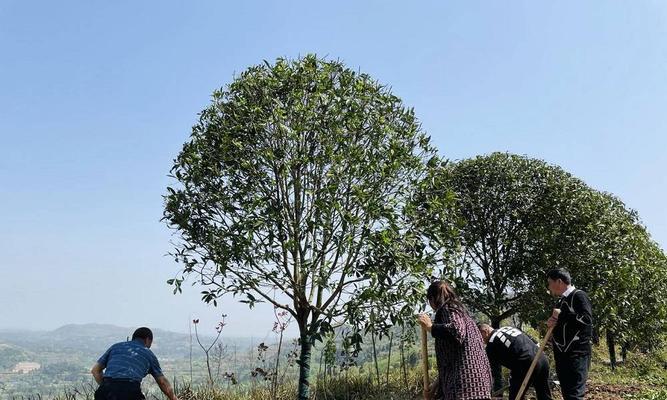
<point x="96" y="99"/>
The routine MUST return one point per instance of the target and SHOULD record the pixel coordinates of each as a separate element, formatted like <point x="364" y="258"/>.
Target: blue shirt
<point x="130" y="360"/>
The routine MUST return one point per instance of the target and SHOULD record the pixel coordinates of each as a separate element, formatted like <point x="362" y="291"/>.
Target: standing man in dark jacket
<point x="572" y="334"/>
<point x="515" y="350"/>
<point x="124" y="365"/>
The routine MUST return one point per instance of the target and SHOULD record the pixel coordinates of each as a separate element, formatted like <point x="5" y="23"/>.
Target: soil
<point x="612" y="392"/>
<point x="598" y="391"/>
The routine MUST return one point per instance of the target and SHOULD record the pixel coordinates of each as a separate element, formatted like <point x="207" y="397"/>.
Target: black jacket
<point x="574" y="329"/>
<point x="512" y="348"/>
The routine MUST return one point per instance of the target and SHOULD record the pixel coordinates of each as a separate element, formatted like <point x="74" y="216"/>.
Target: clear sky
<point x="97" y="97"/>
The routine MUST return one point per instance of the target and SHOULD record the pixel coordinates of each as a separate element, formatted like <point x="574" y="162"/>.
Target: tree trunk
<point x="624" y="351"/>
<point x="403" y="368"/>
<point x="375" y="358"/>
<point x="611" y="345"/>
<point x="304" y="366"/>
<point x="496" y="368"/>
<point x="596" y="335"/>
<point x="391" y="341"/>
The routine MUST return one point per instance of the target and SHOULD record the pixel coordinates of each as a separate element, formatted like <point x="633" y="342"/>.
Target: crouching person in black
<point x="124" y="365"/>
<point x="572" y="334"/>
<point x="515" y="350"/>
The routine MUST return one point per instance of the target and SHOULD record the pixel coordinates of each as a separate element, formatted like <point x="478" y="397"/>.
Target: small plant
<point x="230" y="377"/>
<point x="220" y="353"/>
<point x="207" y="350"/>
<point x="262" y="372"/>
<point x="329" y="354"/>
<point x="283" y="318"/>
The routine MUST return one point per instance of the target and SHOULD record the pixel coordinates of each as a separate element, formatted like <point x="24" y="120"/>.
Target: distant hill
<point x="89" y="330"/>
<point x="91" y="340"/>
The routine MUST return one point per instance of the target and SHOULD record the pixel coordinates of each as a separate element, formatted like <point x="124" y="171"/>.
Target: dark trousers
<point x="119" y="390"/>
<point x="572" y="371"/>
<point x="539" y="380"/>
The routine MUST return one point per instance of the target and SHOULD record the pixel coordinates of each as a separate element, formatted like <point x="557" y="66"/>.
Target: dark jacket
<point x="512" y="348"/>
<point x="574" y="329"/>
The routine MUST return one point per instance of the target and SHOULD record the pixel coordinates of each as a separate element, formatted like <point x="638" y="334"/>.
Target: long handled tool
<point x="500" y="391"/>
<point x="537" y="357"/>
<point x="427" y="382"/>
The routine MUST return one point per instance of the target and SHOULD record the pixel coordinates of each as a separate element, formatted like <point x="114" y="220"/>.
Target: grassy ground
<point x="640" y="377"/>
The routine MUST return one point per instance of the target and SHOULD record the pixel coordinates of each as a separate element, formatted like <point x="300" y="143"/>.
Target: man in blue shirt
<point x="122" y="367"/>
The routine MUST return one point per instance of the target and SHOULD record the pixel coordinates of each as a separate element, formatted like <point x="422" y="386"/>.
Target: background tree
<point x="497" y="208"/>
<point x="293" y="181"/>
<point x="517" y="218"/>
<point x="612" y="255"/>
<point x="647" y="317"/>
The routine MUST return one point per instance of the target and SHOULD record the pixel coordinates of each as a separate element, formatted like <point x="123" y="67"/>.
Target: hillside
<point x="10" y="355"/>
<point x="66" y="354"/>
<point x="94" y="339"/>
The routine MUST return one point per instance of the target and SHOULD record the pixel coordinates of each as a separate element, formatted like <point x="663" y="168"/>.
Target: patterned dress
<point x="463" y="367"/>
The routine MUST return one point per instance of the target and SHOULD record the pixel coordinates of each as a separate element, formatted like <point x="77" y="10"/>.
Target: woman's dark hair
<point x="562" y="274"/>
<point x="440" y="293"/>
<point x="143" y="333"/>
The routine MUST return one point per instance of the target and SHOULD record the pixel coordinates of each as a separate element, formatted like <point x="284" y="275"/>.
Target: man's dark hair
<point x="561" y="274"/>
<point x="143" y="333"/>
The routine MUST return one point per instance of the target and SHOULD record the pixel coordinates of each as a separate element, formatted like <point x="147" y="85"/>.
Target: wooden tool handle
<point x="427" y="382"/>
<point x="519" y="395"/>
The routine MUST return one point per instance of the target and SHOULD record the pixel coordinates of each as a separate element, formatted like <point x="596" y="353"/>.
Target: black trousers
<point x="539" y="380"/>
<point x="119" y="390"/>
<point x="572" y="371"/>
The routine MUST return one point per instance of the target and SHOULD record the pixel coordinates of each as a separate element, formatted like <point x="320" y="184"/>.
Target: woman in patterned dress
<point x="463" y="367"/>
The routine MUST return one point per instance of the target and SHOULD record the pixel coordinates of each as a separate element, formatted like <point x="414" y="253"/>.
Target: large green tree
<point x="611" y="254"/>
<point x="291" y="191"/>
<point x="502" y="223"/>
<point x="499" y="213"/>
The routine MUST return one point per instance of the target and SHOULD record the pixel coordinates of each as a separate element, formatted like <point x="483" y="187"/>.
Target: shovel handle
<point x="427" y="382"/>
<point x="519" y="395"/>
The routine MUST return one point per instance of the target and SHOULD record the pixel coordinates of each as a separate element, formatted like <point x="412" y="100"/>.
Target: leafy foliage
<point x="291" y="191"/>
<point x="517" y="218"/>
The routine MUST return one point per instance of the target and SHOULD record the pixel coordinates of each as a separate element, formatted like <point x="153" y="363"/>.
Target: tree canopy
<point x="291" y="191"/>
<point x="311" y="187"/>
<point x="517" y="218"/>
